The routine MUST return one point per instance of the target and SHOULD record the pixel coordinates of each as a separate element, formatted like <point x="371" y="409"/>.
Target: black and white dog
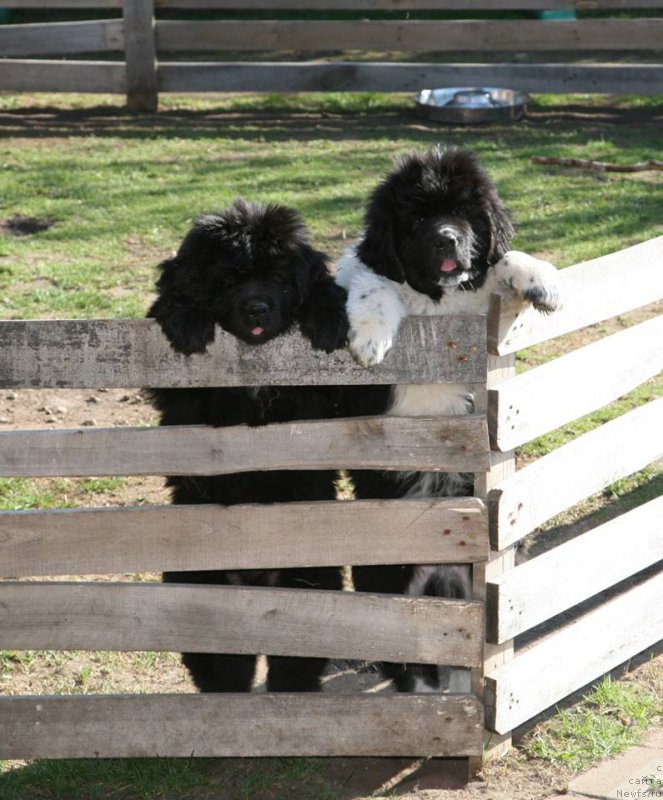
<point x="251" y="270"/>
<point x="436" y="241"/>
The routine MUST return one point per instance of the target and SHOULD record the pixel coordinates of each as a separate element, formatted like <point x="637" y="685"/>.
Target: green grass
<point x="609" y="719"/>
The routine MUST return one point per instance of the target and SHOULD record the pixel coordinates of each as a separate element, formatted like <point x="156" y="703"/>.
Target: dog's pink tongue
<point x="257" y="331"/>
<point x="448" y="265"/>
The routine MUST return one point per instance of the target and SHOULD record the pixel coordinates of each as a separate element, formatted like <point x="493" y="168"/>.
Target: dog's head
<point x="436" y="221"/>
<point x="250" y="269"/>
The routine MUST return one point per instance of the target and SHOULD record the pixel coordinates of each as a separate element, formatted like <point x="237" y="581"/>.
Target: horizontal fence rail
<point x="580" y="652"/>
<point x="253" y="725"/>
<point x="535" y="591"/>
<point x="349" y="5"/>
<point x="236" y="619"/>
<point x="61" y="37"/>
<point x="135" y="353"/>
<point x="577" y="470"/>
<point x="121" y="540"/>
<point x="399" y="443"/>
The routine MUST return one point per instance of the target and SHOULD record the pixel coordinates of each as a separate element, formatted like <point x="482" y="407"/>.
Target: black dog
<point x="436" y="242"/>
<point x="252" y="271"/>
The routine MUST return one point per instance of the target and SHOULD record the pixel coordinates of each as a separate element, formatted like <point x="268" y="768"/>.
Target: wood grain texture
<point x="510" y="330"/>
<point x="61" y="38"/>
<point x="140" y="55"/>
<point x="43" y="75"/>
<point x="253" y="725"/>
<point x="533" y="592"/>
<point x="575" y="655"/>
<point x="400" y="443"/>
<point x="591" y="462"/>
<point x="237" y="619"/>
<point x="144" y="539"/>
<point x="352" y="76"/>
<point x="544" y="398"/>
<point x="411" y="35"/>
<point x="133" y="353"/>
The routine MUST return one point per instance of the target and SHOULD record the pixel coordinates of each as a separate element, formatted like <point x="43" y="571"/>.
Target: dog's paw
<point x="534" y="281"/>
<point x="370" y="348"/>
<point x="328" y="331"/>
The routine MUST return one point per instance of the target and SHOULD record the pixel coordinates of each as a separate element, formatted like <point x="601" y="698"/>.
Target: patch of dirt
<point x="19" y="225"/>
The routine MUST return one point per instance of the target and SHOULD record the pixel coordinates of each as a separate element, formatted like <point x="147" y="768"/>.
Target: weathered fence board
<point x="565" y="576"/>
<point x="575" y="655"/>
<point x="236" y="619"/>
<point x="578" y="469"/>
<point x="401" y="443"/>
<point x="548" y="396"/>
<point x="141" y="55"/>
<point x="119" y="540"/>
<point x="406" y="5"/>
<point x="61" y="37"/>
<point x="410" y="35"/>
<point x="43" y="75"/>
<point x="135" y="353"/>
<point x="510" y="329"/>
<point x="348" y="76"/>
<point x="253" y="725"/>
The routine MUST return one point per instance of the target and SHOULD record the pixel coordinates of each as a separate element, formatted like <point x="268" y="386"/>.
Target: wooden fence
<point x="141" y="38"/>
<point x="510" y="410"/>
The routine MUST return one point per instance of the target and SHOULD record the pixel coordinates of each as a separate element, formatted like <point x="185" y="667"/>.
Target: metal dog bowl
<point x="469" y="105"/>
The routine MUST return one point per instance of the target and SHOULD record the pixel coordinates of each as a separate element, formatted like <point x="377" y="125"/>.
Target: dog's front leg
<point x="534" y="281"/>
<point x="375" y="311"/>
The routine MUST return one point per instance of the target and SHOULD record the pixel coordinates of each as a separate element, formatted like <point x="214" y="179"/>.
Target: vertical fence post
<point x="502" y="465"/>
<point x="140" y="55"/>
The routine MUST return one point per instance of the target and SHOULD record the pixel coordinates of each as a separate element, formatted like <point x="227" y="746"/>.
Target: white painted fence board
<point x="575" y="655"/>
<point x="61" y="38"/>
<point x="401" y="443"/>
<point x="43" y="75"/>
<point x="411" y="35"/>
<point x="153" y="539"/>
<point x="565" y="576"/>
<point x="578" y="469"/>
<point x="135" y="353"/>
<point x="253" y="725"/>
<point x="544" y="398"/>
<point x="238" y="619"/>
<point x="602" y="279"/>
<point x="349" y="76"/>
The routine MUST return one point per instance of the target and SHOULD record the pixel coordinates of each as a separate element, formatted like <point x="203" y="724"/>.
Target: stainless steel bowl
<point x="469" y="105"/>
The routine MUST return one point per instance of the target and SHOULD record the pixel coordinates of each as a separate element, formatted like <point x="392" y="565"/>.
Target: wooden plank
<point x="580" y="652"/>
<point x="510" y="330"/>
<point x="239" y="619"/>
<point x="134" y="353"/>
<point x="42" y="75"/>
<point x="253" y="725"/>
<point x="401" y="443"/>
<point x="578" y="469"/>
<point x="140" y="55"/>
<point x="52" y="4"/>
<point x="411" y="35"/>
<point x="565" y="576"/>
<point x="406" y="5"/>
<point x="61" y="37"/>
<point x="349" y="76"/>
<point x="153" y="539"/>
<point x="571" y="386"/>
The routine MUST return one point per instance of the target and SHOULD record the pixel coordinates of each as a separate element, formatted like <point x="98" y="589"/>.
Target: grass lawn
<point x="116" y="192"/>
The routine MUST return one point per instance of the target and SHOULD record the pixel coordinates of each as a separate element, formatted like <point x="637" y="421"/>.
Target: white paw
<point x="534" y="281"/>
<point x="369" y="347"/>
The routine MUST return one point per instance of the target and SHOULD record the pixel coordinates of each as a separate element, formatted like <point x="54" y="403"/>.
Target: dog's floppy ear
<point x="377" y="248"/>
<point x="179" y="308"/>
<point x="500" y="226"/>
<point x="321" y="313"/>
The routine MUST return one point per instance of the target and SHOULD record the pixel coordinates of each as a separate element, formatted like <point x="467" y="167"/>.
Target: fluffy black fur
<point x="436" y="223"/>
<point x="251" y="270"/>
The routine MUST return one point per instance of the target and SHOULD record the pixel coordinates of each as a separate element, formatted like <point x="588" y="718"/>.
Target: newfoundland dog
<point x="251" y="270"/>
<point x="436" y="241"/>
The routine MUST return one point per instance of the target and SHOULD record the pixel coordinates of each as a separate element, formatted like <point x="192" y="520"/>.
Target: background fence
<point x="520" y="681"/>
<point x="143" y="40"/>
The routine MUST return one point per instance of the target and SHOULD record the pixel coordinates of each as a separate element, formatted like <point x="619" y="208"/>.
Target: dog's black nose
<point x="257" y="310"/>
<point x="446" y="237"/>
